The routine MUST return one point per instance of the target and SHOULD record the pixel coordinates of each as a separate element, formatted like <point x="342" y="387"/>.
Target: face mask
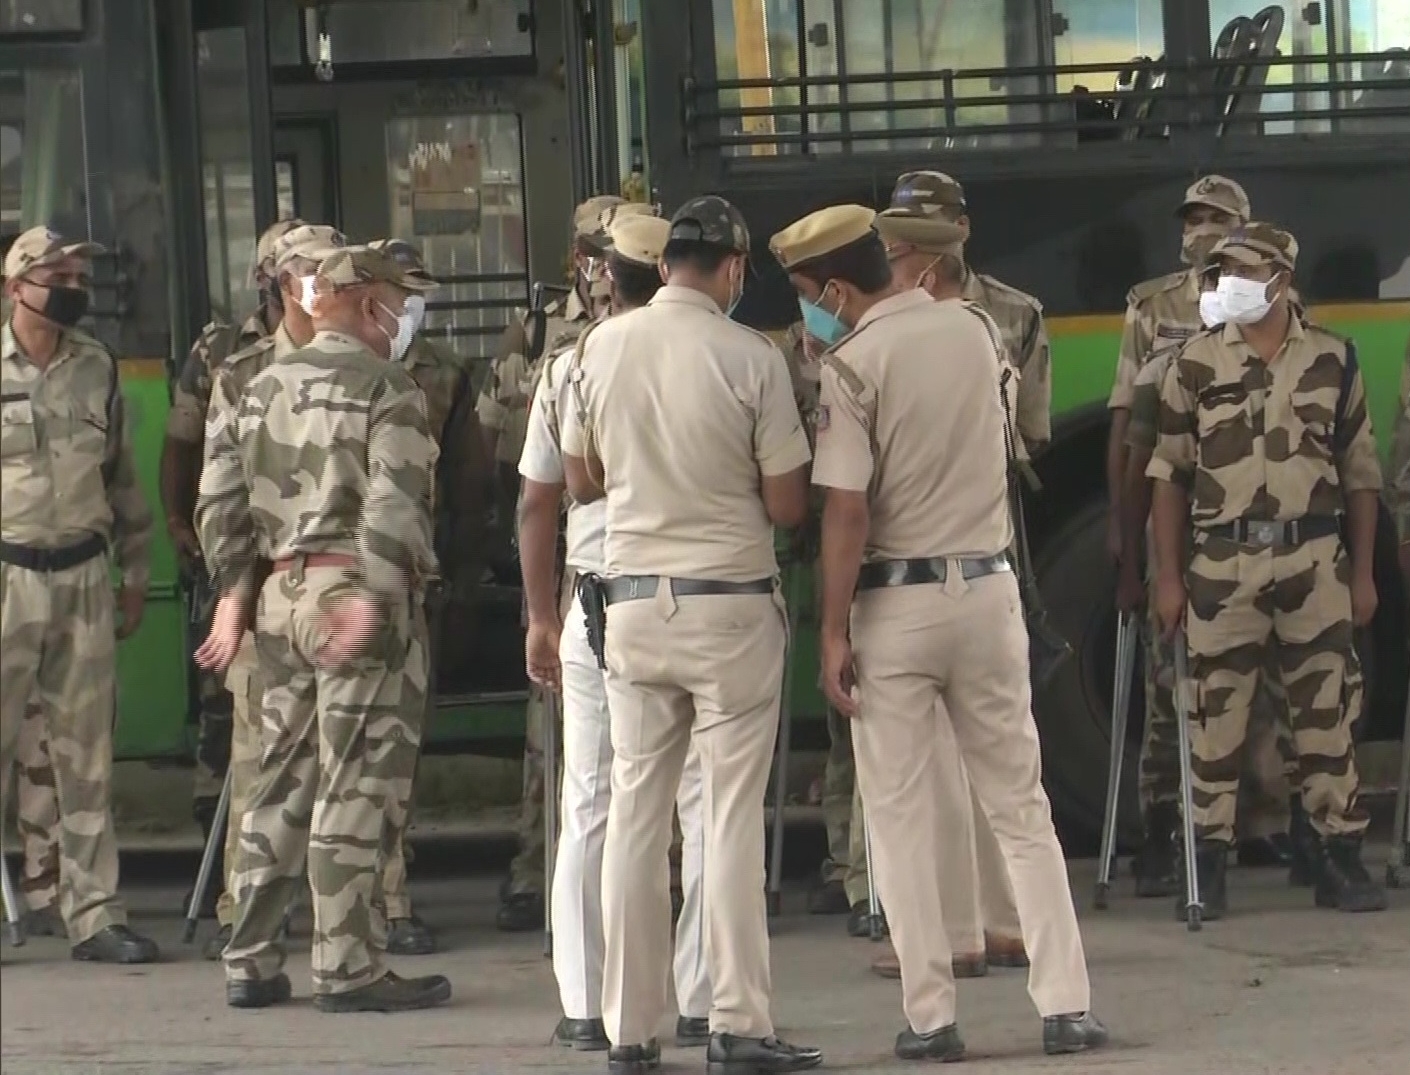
<point x="920" y="280"/>
<point x="1197" y="242"/>
<point x="821" y="324"/>
<point x="736" y="296"/>
<point x="64" y="306"/>
<point x="306" y="294"/>
<point x="408" y="321"/>
<point x="1211" y="309"/>
<point x="1244" y="302"/>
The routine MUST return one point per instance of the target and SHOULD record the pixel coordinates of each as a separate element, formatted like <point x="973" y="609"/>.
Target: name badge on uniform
<point x="1170" y="332"/>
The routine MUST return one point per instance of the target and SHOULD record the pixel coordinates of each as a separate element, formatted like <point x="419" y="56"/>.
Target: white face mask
<point x="1211" y="309"/>
<point x="1245" y="302"/>
<point x="306" y="294"/>
<point x="408" y="322"/>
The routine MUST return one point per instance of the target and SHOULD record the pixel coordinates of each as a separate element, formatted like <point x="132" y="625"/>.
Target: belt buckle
<point x="1264" y="533"/>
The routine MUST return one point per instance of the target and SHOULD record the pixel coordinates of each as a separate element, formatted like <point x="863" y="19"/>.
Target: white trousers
<point x="576" y="907"/>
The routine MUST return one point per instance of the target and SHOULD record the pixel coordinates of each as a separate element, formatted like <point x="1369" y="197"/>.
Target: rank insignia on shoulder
<point x="824" y="417"/>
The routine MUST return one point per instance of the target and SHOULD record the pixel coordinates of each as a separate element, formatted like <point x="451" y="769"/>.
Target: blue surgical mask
<point x="821" y="324"/>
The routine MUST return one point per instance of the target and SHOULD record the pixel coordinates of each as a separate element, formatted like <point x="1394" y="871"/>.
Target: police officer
<point x="503" y="410"/>
<point x="911" y="453"/>
<point x="1162" y="314"/>
<point x="1264" y="445"/>
<point x="293" y="258"/>
<point x="70" y="493"/>
<point x="179" y="478"/>
<point x="687" y="422"/>
<point x="324" y="468"/>
<point x="559" y="656"/>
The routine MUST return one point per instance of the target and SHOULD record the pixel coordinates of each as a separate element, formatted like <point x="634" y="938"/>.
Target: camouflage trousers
<point x="57" y="645"/>
<point x="416" y="700"/>
<point x="335" y="773"/>
<point x="842" y="813"/>
<point x="37" y="812"/>
<point x="243" y="684"/>
<point x="1270" y="767"/>
<point x="1284" y="614"/>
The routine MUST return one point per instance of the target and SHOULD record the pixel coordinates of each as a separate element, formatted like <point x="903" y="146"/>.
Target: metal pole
<point x="785" y="729"/>
<point x="14" y="923"/>
<point x="213" y="845"/>
<point x="1127" y="632"/>
<point x="550" y="812"/>
<point x="874" y="919"/>
<point x="1194" y="907"/>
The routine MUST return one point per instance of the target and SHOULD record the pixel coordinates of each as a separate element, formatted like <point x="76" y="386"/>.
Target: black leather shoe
<point x="215" y="947"/>
<point x="1342" y="880"/>
<point x="410" y="937"/>
<point x="828" y="897"/>
<point x="943" y="1045"/>
<point x="859" y="921"/>
<point x="116" y="944"/>
<point x="634" y="1059"/>
<point x="692" y="1033"/>
<point x="584" y="1035"/>
<point x="729" y="1055"/>
<point x="389" y="993"/>
<point x="521" y="912"/>
<point x="1265" y="851"/>
<point x="1073" y="1033"/>
<point x="1212" y="866"/>
<point x="258" y="992"/>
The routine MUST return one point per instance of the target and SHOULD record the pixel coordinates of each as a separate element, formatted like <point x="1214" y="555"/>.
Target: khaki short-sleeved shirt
<point x="687" y="410"/>
<point x="1019" y="317"/>
<point x="912" y="415"/>
<point x="1257" y="440"/>
<point x="1145" y="402"/>
<point x="1161" y="314"/>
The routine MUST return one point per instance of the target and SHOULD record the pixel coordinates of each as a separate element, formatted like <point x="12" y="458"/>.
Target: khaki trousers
<point x="242" y="681"/>
<point x="936" y="663"/>
<point x="707" y="670"/>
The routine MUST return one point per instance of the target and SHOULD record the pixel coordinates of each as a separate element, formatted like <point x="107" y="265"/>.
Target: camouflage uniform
<point x="68" y="485"/>
<point x="338" y="754"/>
<point x="37" y="812"/>
<point x="1251" y="441"/>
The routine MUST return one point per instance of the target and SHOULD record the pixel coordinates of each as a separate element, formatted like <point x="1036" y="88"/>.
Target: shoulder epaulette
<point x="1310" y="326"/>
<point x="849" y="376"/>
<point x="1148" y="289"/>
<point x="1010" y="292"/>
<point x="990" y="326"/>
<point x="259" y="347"/>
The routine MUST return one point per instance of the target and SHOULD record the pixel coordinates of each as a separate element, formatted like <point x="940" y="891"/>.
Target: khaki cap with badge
<point x="41" y="246"/>
<point x="710" y="219"/>
<point x="311" y="242"/>
<point x="588" y="229"/>
<point x="359" y="266"/>
<point x="821" y="233"/>
<point x="1258" y="243"/>
<point x="1217" y="192"/>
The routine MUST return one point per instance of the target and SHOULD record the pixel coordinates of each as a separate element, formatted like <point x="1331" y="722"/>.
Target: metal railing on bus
<point x="1148" y="99"/>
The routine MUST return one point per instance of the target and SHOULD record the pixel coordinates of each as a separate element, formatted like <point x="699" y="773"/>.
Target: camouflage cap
<point x="42" y="246"/>
<point x="1217" y="192"/>
<point x="710" y="219"/>
<point x="311" y="242"/>
<point x="640" y="238"/>
<point x="821" y="233"/>
<point x="356" y="266"/>
<point x="587" y="217"/>
<point x="404" y="254"/>
<point x="1257" y="243"/>
<point x="926" y="194"/>
<point x="264" y="248"/>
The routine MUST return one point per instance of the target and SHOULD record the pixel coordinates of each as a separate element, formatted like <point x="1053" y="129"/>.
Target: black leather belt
<point x="880" y="574"/>
<point x="1267" y="534"/>
<point x="639" y="587"/>
<point x="47" y="560"/>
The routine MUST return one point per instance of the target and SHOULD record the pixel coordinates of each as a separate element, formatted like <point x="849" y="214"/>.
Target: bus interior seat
<point x="1393" y="66"/>
<point x="1095" y="114"/>
<point x="1254" y="39"/>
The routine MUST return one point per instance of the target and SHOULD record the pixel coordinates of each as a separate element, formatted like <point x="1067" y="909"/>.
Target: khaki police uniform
<point x="938" y="660"/>
<point x="72" y="511"/>
<point x="685" y="409"/>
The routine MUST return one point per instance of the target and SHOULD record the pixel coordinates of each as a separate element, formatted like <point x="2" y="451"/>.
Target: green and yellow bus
<point x="173" y="131"/>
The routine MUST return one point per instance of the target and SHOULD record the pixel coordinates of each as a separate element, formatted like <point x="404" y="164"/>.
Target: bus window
<point x="632" y="164"/>
<point x="41" y="16"/>
<point x="227" y="169"/>
<point x="1104" y="31"/>
<point x="457" y="192"/>
<point x="383" y="31"/>
<point x="43" y="170"/>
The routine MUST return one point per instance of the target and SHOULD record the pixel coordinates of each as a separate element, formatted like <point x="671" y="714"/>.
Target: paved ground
<point x="1279" y="988"/>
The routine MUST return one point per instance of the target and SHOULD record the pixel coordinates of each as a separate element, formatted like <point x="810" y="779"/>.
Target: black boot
<point x="1155" y="865"/>
<point x="729" y="1055"/>
<point x="1212" y="867"/>
<point x="1342" y="881"/>
<point x="1302" y="870"/>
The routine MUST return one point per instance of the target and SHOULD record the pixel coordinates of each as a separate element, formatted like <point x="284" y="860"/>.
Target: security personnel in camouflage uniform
<point x="1265" y="448"/>
<point x="70" y="494"/>
<point x="292" y="259"/>
<point x="1161" y="316"/>
<point x="179" y="477"/>
<point x="503" y="410"/>
<point x="324" y="469"/>
<point x="462" y="476"/>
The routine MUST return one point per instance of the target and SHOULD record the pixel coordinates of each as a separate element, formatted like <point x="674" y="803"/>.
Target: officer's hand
<point x="227" y="629"/>
<point x="838" y="674"/>
<point x="1130" y="590"/>
<point x="1363" y="598"/>
<point x="350" y="624"/>
<point x="131" y="602"/>
<point x="1113" y="535"/>
<point x="541" y="655"/>
<point x="183" y="537"/>
<point x="1169" y="604"/>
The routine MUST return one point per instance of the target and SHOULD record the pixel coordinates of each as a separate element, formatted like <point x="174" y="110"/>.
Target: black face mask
<point x="64" y="306"/>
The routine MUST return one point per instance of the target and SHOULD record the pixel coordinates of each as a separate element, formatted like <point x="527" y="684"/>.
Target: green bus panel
<point x="152" y="685"/>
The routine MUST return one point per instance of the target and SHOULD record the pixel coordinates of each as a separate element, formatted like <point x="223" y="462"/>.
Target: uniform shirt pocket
<point x="18" y="435"/>
<point x="1225" y="424"/>
<point x="79" y="430"/>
